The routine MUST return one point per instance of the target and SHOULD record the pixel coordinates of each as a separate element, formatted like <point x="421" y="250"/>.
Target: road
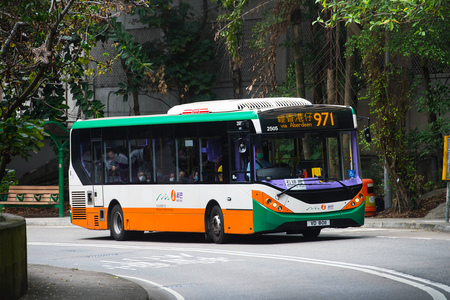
<point x="350" y="263"/>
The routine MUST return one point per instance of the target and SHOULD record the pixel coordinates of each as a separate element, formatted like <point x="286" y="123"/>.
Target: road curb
<point x="430" y="225"/>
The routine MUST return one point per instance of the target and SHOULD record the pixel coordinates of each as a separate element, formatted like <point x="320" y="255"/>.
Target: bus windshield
<point x="325" y="155"/>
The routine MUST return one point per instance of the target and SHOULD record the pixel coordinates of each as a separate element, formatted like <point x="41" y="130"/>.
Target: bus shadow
<point x="256" y="239"/>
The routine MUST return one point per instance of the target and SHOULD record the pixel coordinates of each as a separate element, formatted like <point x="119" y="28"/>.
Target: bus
<point x="226" y="167"/>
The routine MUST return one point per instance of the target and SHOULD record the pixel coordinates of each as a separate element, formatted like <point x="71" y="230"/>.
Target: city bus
<point x="226" y="167"/>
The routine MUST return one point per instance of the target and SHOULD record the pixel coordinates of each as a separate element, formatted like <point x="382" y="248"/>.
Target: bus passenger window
<point x="141" y="167"/>
<point x="116" y="164"/>
<point x="86" y="158"/>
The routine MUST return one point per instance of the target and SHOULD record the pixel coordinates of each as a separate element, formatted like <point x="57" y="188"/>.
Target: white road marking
<point x="413" y="281"/>
<point x="175" y="294"/>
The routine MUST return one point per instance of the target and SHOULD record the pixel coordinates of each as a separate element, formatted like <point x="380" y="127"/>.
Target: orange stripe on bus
<point x="238" y="221"/>
<point x="169" y="219"/>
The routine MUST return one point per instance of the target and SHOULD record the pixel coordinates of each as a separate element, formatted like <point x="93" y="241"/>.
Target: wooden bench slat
<point x="30" y="195"/>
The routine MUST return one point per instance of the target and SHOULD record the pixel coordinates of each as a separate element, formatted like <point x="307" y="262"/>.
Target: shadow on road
<point x="256" y="239"/>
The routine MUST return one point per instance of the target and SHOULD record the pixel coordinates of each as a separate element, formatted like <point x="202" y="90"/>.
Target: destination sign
<point x="307" y="118"/>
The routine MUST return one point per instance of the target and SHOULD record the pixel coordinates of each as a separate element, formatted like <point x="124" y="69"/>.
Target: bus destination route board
<point x="306" y="118"/>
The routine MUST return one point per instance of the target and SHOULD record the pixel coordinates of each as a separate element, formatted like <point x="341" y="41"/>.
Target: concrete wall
<point x="13" y="257"/>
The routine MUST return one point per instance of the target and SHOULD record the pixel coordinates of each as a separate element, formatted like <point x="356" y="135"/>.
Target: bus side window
<point x="116" y="155"/>
<point x="141" y="164"/>
<point x="164" y="152"/>
<point x="86" y="158"/>
<point x="211" y="158"/>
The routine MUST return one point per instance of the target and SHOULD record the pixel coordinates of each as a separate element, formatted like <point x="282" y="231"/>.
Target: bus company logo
<point x="174" y="196"/>
<point x="313" y="208"/>
<point x="321" y="207"/>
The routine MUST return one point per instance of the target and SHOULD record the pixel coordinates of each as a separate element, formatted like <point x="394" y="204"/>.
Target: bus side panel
<point x="238" y="221"/>
<point x="181" y="219"/>
<point x="89" y="218"/>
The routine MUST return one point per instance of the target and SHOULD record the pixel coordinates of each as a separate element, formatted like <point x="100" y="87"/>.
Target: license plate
<point x="318" y="223"/>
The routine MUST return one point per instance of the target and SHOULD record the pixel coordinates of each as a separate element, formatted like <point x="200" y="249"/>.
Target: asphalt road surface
<point x="354" y="263"/>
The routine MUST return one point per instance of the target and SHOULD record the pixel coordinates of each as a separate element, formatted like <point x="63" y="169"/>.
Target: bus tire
<point x="216" y="226"/>
<point x="117" y="225"/>
<point x="311" y="233"/>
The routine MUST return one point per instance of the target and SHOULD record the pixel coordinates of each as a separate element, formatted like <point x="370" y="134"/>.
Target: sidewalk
<point x="369" y="222"/>
<point x="426" y="224"/>
<point x="47" y="282"/>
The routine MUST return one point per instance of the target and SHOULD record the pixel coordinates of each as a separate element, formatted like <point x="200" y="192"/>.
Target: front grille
<point x="78" y="205"/>
<point x="96" y="221"/>
<point x="326" y="195"/>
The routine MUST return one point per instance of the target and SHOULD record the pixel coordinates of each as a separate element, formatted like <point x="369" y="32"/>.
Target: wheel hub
<point x="216" y="224"/>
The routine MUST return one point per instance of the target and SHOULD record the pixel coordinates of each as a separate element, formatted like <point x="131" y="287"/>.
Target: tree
<point x="232" y="33"/>
<point x="183" y="53"/>
<point x="44" y="45"/>
<point x="398" y="28"/>
<point x="135" y="63"/>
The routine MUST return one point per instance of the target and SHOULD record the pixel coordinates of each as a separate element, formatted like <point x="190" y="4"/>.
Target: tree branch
<point x="11" y="36"/>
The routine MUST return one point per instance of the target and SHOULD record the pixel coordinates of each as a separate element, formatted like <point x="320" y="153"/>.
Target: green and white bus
<point x="219" y="167"/>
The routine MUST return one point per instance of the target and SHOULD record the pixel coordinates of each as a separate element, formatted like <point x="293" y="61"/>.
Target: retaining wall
<point x="13" y="257"/>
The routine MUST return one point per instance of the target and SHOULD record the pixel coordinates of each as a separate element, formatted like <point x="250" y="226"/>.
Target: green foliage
<point x="181" y="54"/>
<point x="7" y="181"/>
<point x="232" y="31"/>
<point x="386" y="14"/>
<point x="410" y="27"/>
<point x="288" y="87"/>
<point x="44" y="44"/>
<point x="20" y="136"/>
<point x="136" y="64"/>
<point x="428" y="140"/>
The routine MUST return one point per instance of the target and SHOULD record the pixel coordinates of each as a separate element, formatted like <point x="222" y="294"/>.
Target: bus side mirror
<point x="242" y="148"/>
<point x="367" y="135"/>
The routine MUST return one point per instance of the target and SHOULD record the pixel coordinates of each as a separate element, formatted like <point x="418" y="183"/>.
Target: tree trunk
<point x="330" y="71"/>
<point x="432" y="117"/>
<point x="237" y="79"/>
<point x="296" y="19"/>
<point x="349" y="93"/>
<point x="136" y="106"/>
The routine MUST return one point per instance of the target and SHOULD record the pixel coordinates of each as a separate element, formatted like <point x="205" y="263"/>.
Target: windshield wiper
<point x="340" y="182"/>
<point x="319" y="178"/>
<point x="297" y="184"/>
<point x="288" y="189"/>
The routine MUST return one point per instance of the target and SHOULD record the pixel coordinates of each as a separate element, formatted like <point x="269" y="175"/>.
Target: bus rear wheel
<point x="117" y="226"/>
<point x="216" y="227"/>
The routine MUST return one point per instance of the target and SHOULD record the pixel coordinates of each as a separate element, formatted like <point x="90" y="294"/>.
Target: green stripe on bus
<point x="165" y="119"/>
<point x="266" y="220"/>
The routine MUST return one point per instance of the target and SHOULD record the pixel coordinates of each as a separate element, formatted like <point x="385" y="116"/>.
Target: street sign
<point x="446" y="173"/>
<point x="446" y="166"/>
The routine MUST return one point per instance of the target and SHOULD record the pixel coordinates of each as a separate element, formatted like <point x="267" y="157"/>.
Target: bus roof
<point x="236" y="105"/>
<point x="165" y="119"/>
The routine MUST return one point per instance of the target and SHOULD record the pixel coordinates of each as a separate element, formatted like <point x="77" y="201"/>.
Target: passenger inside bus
<point x="260" y="162"/>
<point x="220" y="173"/>
<point x="182" y="177"/>
<point x="116" y="165"/>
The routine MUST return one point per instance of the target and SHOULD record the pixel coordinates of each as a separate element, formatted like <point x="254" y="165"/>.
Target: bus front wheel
<point x="216" y="227"/>
<point x="311" y="233"/>
<point x="117" y="226"/>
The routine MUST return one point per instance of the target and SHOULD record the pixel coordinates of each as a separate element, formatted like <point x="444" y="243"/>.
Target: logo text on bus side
<point x="174" y="196"/>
